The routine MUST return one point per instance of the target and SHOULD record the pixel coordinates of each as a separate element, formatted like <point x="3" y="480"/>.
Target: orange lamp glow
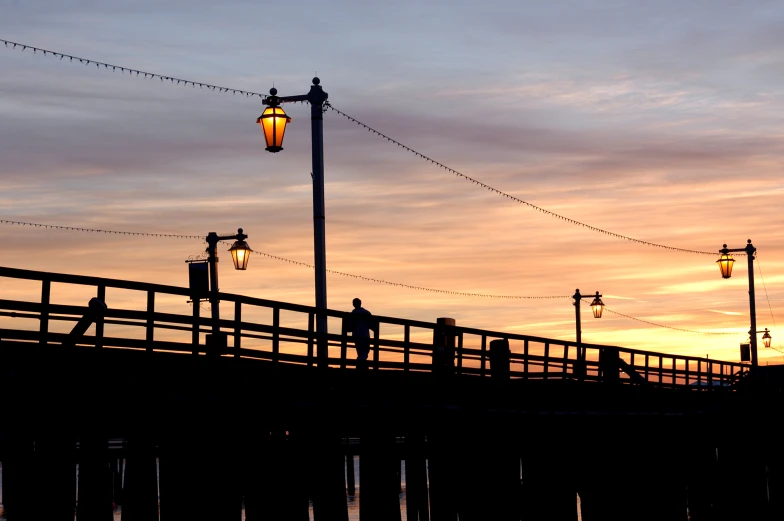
<point x="273" y="123"/>
<point x="766" y="338"/>
<point x="240" y="254"/>
<point x="725" y="264"/>
<point x="597" y="306"/>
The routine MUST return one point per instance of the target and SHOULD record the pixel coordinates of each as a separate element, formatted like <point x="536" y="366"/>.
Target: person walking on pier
<point x="361" y="324"/>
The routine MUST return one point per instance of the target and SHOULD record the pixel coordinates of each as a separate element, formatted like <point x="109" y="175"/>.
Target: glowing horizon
<point x="631" y="128"/>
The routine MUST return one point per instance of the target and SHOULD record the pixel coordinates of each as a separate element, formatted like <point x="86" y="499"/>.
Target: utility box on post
<point x="198" y="280"/>
<point x="745" y="352"/>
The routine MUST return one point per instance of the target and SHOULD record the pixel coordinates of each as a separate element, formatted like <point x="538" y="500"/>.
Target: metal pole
<point x="317" y="97"/>
<point x="750" y="251"/>
<point x="578" y="333"/>
<point x="212" y="250"/>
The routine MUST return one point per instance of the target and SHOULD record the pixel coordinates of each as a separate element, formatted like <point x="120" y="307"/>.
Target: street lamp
<point x="240" y="254"/>
<point x="725" y="263"/>
<point x="597" y="306"/>
<point x="766" y="338"/>
<point x="273" y="122"/>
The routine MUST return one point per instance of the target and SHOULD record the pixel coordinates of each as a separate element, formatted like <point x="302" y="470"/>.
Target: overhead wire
<point x="335" y="272"/>
<point x="329" y="106"/>
<point x="185" y="82"/>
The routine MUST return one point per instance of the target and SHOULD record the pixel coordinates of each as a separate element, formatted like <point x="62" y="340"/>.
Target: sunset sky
<point x="659" y="121"/>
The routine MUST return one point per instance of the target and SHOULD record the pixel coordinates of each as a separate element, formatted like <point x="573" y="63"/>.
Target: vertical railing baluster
<point x="406" y="347"/>
<point x="483" y="362"/>
<point x="460" y="353"/>
<point x="276" y="334"/>
<point x="376" y="350"/>
<point x="546" y="359"/>
<point x="311" y="319"/>
<point x="237" y="329"/>
<point x="101" y="295"/>
<point x="565" y="364"/>
<point x="525" y="359"/>
<point x="150" y="328"/>
<point x="46" y="292"/>
<point x="195" y="328"/>
<point x="344" y="322"/>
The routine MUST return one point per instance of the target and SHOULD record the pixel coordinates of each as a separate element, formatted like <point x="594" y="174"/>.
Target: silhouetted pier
<point x="502" y="426"/>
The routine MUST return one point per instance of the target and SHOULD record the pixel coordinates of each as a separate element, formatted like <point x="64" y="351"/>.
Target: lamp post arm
<point x="287" y="99"/>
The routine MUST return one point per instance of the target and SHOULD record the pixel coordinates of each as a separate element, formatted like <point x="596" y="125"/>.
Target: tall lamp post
<point x="240" y="254"/>
<point x="597" y="306"/>
<point x="273" y="122"/>
<point x="725" y="263"/>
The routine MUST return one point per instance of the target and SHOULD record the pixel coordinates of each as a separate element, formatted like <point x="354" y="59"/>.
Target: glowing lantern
<point x="725" y="263"/>
<point x="597" y="306"/>
<point x="766" y="338"/>
<point x="273" y="123"/>
<point x="240" y="252"/>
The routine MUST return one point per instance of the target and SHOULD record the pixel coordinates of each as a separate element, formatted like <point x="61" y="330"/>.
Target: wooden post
<point x="237" y="329"/>
<point x="499" y="360"/>
<point x="416" y="478"/>
<point x="195" y="341"/>
<point x="311" y="320"/>
<point x="406" y="347"/>
<point x="99" y="325"/>
<point x="46" y="289"/>
<point x="344" y="341"/>
<point x="276" y="334"/>
<point x="140" y="498"/>
<point x="275" y="485"/>
<point x="742" y="487"/>
<point x="442" y="473"/>
<point x="19" y="501"/>
<point x="378" y="473"/>
<point x="150" y="329"/>
<point x="329" y="474"/>
<point x="548" y="483"/>
<point x="701" y="468"/>
<point x="443" y="358"/>
<point x="95" y="480"/>
<point x="350" y="475"/>
<point x="54" y="475"/>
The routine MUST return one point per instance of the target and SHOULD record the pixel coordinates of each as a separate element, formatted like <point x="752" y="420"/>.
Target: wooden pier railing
<point x="147" y="317"/>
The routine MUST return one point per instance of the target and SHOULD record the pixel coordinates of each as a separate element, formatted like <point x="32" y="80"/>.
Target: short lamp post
<point x="597" y="306"/>
<point x="273" y="123"/>
<point x="725" y="263"/>
<point x="240" y="254"/>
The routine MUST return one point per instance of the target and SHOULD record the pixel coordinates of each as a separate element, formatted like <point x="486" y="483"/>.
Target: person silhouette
<point x="360" y="329"/>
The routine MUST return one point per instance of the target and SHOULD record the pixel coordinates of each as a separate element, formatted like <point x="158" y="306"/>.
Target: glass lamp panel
<point x="766" y="338"/>
<point x="597" y="306"/>
<point x="240" y="255"/>
<point x="267" y="121"/>
<point x="280" y="126"/>
<point x="725" y="265"/>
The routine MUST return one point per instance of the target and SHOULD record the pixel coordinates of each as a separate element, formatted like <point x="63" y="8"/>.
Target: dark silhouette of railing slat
<point x="537" y="360"/>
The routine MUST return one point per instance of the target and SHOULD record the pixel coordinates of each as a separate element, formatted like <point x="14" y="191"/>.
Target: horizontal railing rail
<point x="396" y="344"/>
